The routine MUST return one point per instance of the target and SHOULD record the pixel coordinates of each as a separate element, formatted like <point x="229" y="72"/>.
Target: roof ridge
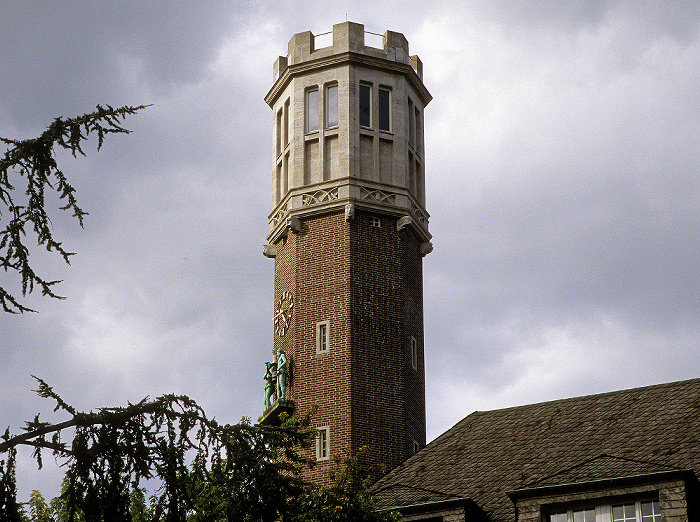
<point x="416" y="488"/>
<point x="588" y="461"/>
<point x="592" y="395"/>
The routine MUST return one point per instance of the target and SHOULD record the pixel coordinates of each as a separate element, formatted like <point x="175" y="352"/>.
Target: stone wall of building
<point x="671" y="495"/>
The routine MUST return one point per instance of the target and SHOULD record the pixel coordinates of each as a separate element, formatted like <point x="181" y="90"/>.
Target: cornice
<point x="349" y="58"/>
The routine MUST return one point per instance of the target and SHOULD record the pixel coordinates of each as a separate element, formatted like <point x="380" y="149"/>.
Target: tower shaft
<point x="348" y="232"/>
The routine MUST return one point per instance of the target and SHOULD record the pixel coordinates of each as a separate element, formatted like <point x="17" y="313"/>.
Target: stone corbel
<point x="425" y="248"/>
<point x="349" y="212"/>
<point x="294" y="224"/>
<point x="269" y="250"/>
<point x="403" y="222"/>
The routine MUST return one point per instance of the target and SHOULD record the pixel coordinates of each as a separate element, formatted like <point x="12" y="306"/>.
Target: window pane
<point x="651" y="511"/>
<point x="557" y="517"/>
<point x="312" y="111"/>
<point x="624" y="513"/>
<point x="332" y="106"/>
<point x="584" y="515"/>
<point x="384" y="110"/>
<point x="322" y="338"/>
<point x="365" y="101"/>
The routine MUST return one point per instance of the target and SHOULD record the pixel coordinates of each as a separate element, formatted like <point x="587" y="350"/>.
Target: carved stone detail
<point x="279" y="215"/>
<point x="294" y="224"/>
<point x="270" y="250"/>
<point x="378" y="195"/>
<point x="426" y="248"/>
<point x="349" y="212"/>
<point x="420" y="215"/>
<point x="403" y="222"/>
<point x="319" y="196"/>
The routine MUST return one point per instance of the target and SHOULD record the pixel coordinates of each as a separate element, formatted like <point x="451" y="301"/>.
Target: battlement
<point x="346" y="37"/>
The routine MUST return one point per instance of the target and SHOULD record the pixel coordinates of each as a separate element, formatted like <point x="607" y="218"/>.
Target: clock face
<point x="284" y="309"/>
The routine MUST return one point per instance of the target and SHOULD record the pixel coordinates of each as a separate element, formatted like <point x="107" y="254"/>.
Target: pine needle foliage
<point x="32" y="163"/>
<point x="199" y="466"/>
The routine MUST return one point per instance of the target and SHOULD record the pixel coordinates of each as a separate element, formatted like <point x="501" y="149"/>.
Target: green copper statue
<point x="270" y="378"/>
<point x="281" y="373"/>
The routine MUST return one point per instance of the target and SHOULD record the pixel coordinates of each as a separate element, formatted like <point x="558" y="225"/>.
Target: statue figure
<point x="270" y="374"/>
<point x="281" y="373"/>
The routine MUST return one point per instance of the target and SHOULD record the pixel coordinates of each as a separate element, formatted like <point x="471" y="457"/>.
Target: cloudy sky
<point x="562" y="171"/>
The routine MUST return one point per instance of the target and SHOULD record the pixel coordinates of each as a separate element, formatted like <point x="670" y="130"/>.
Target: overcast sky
<point x="562" y="173"/>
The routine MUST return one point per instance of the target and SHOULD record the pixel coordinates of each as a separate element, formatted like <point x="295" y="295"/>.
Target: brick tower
<point x="348" y="231"/>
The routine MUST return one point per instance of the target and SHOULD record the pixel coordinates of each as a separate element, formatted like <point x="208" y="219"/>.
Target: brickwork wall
<point x="672" y="500"/>
<point x="366" y="281"/>
<point x="414" y="392"/>
<point x="388" y="395"/>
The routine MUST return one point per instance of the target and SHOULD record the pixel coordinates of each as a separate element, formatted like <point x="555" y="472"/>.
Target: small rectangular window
<point x="331" y="106"/>
<point x="322" y="443"/>
<point x="419" y="132"/>
<point x="384" y="110"/>
<point x="365" y="106"/>
<point x="651" y="511"/>
<point x="414" y="353"/>
<point x="312" y="110"/>
<point x="644" y="511"/>
<point x="278" y="133"/>
<point x="624" y="513"/>
<point x="375" y="221"/>
<point x="584" y="515"/>
<point x="287" y="120"/>
<point x="322" y="337"/>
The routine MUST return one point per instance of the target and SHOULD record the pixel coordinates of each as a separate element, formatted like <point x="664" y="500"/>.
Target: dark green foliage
<point x="9" y="509"/>
<point x="196" y="462"/>
<point x="347" y="498"/>
<point x="32" y="163"/>
<point x="199" y="469"/>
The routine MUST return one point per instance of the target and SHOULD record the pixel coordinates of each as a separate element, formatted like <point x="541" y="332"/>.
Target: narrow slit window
<point x="331" y="106"/>
<point x="322" y="444"/>
<point x="414" y="353"/>
<point x="312" y="110"/>
<point x="287" y="129"/>
<point x="278" y="133"/>
<point x="322" y="337"/>
<point x="385" y="110"/>
<point x="365" y="106"/>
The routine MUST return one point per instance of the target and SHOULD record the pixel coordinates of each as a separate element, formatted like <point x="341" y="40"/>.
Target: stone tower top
<point x="347" y="37"/>
<point x="348" y="130"/>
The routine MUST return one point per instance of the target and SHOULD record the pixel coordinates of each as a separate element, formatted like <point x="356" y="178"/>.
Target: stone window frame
<point x="415" y="445"/>
<point x="413" y="352"/>
<point x="323" y="327"/>
<point x="368" y="86"/>
<point x="327" y="124"/>
<point x="308" y="110"/>
<point x="670" y="488"/>
<point x="380" y="108"/>
<point x="323" y="443"/>
<point x="604" y="511"/>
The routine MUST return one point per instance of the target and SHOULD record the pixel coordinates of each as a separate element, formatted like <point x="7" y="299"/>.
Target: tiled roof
<point x="402" y="495"/>
<point x="610" y="435"/>
<point x="602" y="467"/>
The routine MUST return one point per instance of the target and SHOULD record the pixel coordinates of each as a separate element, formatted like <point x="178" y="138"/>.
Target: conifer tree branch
<point x="32" y="163"/>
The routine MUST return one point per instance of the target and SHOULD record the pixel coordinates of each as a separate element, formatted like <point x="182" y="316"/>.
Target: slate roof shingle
<point x="609" y="435"/>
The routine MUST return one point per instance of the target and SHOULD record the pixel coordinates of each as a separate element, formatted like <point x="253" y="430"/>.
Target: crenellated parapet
<point x="348" y="128"/>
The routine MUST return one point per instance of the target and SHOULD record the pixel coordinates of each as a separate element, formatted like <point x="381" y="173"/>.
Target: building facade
<point x="348" y="231"/>
<point x="624" y="456"/>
